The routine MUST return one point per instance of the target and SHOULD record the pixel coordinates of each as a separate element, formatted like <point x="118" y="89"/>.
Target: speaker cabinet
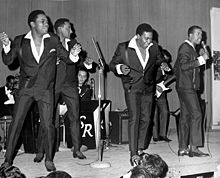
<point x="119" y="127"/>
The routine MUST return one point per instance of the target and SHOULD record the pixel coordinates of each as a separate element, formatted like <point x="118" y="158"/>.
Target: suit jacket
<point x="85" y="93"/>
<point x="31" y="72"/>
<point x="186" y="68"/>
<point x="138" y="79"/>
<point x="66" y="74"/>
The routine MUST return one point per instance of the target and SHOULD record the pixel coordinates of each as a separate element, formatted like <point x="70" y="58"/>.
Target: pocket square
<point x="52" y="50"/>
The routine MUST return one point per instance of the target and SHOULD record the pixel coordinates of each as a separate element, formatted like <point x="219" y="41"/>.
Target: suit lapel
<point x="45" y="51"/>
<point x="152" y="59"/>
<point x="27" y="52"/>
<point x="133" y="60"/>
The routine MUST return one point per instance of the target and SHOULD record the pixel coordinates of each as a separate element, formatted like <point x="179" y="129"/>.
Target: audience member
<point x="58" y="174"/>
<point x="7" y="99"/>
<point x="85" y="91"/>
<point x="149" y="166"/>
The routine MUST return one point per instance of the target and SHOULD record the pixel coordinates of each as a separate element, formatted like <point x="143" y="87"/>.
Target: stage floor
<point x="118" y="157"/>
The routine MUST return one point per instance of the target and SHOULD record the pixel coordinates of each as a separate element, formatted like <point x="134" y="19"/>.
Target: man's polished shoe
<point x="134" y="160"/>
<point x="164" y="138"/>
<point x="197" y="153"/>
<point x="78" y="154"/>
<point x="183" y="152"/>
<point x="39" y="157"/>
<point x="155" y="139"/>
<point x="50" y="166"/>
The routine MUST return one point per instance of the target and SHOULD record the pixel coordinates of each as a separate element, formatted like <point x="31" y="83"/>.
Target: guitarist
<point x="161" y="113"/>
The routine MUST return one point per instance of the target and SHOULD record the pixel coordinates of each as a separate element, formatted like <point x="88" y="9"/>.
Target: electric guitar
<point x="162" y="85"/>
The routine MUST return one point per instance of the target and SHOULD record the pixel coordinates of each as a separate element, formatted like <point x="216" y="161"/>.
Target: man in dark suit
<point x="7" y="100"/>
<point x="136" y="62"/>
<point x="161" y="114"/>
<point x="186" y="70"/>
<point x="66" y="88"/>
<point x="37" y="52"/>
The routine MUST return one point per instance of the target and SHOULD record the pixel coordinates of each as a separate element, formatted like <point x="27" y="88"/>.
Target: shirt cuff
<point x="74" y="58"/>
<point x="88" y="66"/>
<point x="7" y="48"/>
<point x="201" y="60"/>
<point x="118" y="69"/>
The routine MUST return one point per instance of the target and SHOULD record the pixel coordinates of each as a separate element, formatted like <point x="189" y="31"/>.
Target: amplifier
<point x="119" y="129"/>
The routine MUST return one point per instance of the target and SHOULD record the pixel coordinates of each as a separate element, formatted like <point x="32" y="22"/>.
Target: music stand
<point x="99" y="163"/>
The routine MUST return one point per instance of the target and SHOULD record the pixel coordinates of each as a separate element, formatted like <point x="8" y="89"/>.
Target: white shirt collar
<point x="187" y="41"/>
<point x="133" y="44"/>
<point x="66" y="45"/>
<point x="33" y="47"/>
<point x="7" y="91"/>
<point x="29" y="36"/>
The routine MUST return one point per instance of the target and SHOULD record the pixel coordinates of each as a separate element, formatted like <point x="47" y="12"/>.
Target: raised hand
<point x="164" y="66"/>
<point x="204" y="54"/>
<point x="125" y="69"/>
<point x="4" y="38"/>
<point x="75" y="50"/>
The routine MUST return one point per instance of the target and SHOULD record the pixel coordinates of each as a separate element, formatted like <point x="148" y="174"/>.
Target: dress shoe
<point x="134" y="160"/>
<point x="39" y="157"/>
<point x="197" y="153"/>
<point x="183" y="152"/>
<point x="141" y="152"/>
<point x="155" y="139"/>
<point x="164" y="138"/>
<point x="83" y="148"/>
<point x="50" y="166"/>
<point x="78" y="154"/>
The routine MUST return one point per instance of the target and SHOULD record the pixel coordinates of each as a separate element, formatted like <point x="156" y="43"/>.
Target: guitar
<point x="162" y="85"/>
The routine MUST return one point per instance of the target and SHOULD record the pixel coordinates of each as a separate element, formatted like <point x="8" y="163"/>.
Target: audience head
<point x="10" y="80"/>
<point x="195" y="34"/>
<point x="144" y="34"/>
<point x="58" y="174"/>
<point x="140" y="172"/>
<point x="63" y="28"/>
<point x="12" y="172"/>
<point x="83" y="76"/>
<point x="154" y="164"/>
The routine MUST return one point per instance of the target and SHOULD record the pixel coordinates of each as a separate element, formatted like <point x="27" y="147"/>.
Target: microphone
<point x="92" y="87"/>
<point x="204" y="47"/>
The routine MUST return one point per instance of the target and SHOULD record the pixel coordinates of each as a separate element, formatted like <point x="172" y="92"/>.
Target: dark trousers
<point x="71" y="98"/>
<point x="44" y="100"/>
<point x="161" y="116"/>
<point x="190" y="122"/>
<point x="139" y="110"/>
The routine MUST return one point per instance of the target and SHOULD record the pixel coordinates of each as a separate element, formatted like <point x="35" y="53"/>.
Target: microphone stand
<point x="99" y="142"/>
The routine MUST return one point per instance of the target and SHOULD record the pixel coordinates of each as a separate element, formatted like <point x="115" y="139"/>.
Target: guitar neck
<point x="170" y="80"/>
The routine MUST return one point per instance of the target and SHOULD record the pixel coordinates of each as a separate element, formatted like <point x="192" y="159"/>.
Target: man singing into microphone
<point x="187" y="72"/>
